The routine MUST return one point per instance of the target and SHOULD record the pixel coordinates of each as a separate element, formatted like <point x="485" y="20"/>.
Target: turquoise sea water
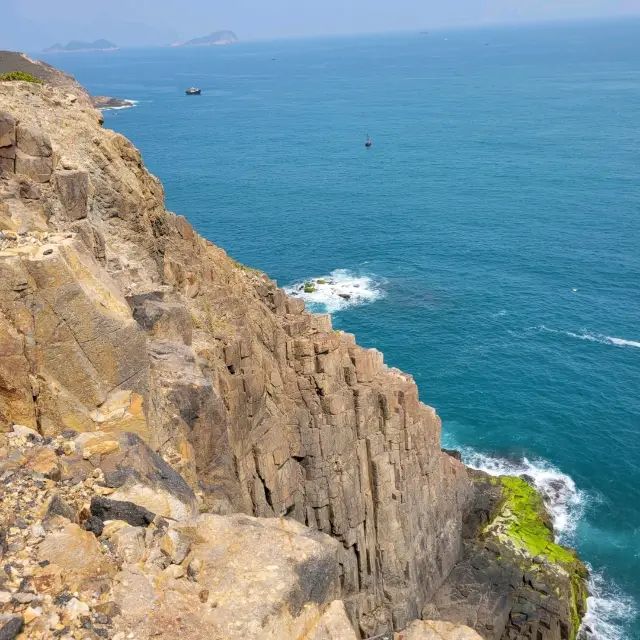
<point x="489" y="240"/>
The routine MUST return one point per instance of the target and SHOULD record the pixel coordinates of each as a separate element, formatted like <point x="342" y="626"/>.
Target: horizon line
<point x="540" y="22"/>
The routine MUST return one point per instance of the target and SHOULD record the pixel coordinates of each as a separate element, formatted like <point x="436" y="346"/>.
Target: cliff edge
<point x="118" y="320"/>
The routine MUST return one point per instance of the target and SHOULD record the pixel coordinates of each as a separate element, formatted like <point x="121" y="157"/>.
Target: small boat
<point x="368" y="143"/>
<point x="193" y="91"/>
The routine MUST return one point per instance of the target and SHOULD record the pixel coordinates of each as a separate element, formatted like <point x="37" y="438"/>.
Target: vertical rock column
<point x="7" y="143"/>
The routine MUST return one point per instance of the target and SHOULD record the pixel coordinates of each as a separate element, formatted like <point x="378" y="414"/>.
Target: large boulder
<point x="38" y="169"/>
<point x="77" y="556"/>
<point x="33" y="141"/>
<point x="137" y="475"/>
<point x="437" y="630"/>
<point x="7" y="129"/>
<point x="250" y="579"/>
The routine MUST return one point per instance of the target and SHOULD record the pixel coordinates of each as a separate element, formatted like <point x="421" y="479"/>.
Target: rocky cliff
<point x="117" y="318"/>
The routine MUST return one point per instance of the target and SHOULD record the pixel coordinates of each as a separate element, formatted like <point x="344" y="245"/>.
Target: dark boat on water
<point x="193" y="91"/>
<point x="368" y="143"/>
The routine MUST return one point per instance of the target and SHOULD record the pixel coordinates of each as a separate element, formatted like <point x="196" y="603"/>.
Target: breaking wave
<point x="586" y="335"/>
<point x="337" y="291"/>
<point x="563" y="499"/>
<point x="130" y="103"/>
<point x="608" y="608"/>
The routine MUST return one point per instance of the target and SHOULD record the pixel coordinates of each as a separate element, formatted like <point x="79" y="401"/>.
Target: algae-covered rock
<point x="524" y="526"/>
<point x="513" y="581"/>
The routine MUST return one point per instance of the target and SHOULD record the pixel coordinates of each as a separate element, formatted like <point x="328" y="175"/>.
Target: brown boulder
<point x="437" y="630"/>
<point x="7" y="129"/>
<point x="33" y="142"/>
<point x="38" y="169"/>
<point x="73" y="189"/>
<point x="78" y="555"/>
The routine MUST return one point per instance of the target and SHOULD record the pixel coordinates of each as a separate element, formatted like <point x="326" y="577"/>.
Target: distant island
<point x="77" y="46"/>
<point x="217" y="38"/>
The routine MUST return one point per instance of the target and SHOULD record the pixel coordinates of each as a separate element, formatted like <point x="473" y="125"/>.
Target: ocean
<point x="488" y="242"/>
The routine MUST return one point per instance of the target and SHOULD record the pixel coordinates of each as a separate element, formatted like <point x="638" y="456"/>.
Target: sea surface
<point x="489" y="240"/>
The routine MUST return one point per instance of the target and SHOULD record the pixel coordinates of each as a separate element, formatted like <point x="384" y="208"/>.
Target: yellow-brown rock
<point x="78" y="556"/>
<point x="260" y="405"/>
<point x="437" y="630"/>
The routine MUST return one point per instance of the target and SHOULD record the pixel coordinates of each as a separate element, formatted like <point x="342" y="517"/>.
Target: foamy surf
<point x="563" y="499"/>
<point x="586" y="335"/>
<point x="337" y="291"/>
<point x="129" y="105"/>
<point x="608" y="608"/>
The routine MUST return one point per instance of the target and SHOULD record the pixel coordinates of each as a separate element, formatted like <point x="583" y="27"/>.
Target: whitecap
<point x="602" y="339"/>
<point x="337" y="291"/>
<point x="130" y="103"/>
<point x="585" y="335"/>
<point x="564" y="501"/>
<point x="608" y="609"/>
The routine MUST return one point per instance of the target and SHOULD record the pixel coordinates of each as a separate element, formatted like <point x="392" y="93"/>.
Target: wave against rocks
<point x="608" y="607"/>
<point x="337" y="291"/>
<point x="563" y="499"/>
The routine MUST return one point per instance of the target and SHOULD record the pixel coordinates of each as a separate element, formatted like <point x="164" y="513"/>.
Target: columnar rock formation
<point x="116" y="316"/>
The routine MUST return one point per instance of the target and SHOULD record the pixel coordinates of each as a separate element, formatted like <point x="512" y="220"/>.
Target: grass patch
<point x="244" y="267"/>
<point x="19" y="76"/>
<point x="309" y="287"/>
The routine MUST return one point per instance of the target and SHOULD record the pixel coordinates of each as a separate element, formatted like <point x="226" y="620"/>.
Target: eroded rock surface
<point x="197" y="576"/>
<point x="513" y="581"/>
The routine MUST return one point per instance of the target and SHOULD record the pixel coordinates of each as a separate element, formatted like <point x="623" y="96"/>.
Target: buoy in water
<point x="368" y="143"/>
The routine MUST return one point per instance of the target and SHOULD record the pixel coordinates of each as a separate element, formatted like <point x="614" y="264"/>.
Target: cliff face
<point x="136" y="323"/>
<point x="116" y="316"/>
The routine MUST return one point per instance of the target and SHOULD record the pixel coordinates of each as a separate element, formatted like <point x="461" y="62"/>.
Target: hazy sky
<point x="159" y="21"/>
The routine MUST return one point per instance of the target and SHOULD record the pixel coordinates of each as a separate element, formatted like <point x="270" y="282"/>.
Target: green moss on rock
<point x="309" y="287"/>
<point x="523" y="524"/>
<point x="526" y="523"/>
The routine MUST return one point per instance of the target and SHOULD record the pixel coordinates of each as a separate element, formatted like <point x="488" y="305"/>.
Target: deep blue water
<point x="493" y="230"/>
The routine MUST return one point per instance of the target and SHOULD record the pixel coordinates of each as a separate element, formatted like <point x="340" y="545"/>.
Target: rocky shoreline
<point x="104" y="103"/>
<point x="187" y="452"/>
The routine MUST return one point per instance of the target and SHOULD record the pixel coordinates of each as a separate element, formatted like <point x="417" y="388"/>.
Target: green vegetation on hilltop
<point x="19" y="76"/>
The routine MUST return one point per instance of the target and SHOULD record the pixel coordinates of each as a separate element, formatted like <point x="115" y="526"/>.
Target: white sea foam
<point x="608" y="608"/>
<point x="597" y="337"/>
<point x="131" y="103"/>
<point x="563" y="499"/>
<point x="338" y="290"/>
<point x="587" y="335"/>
